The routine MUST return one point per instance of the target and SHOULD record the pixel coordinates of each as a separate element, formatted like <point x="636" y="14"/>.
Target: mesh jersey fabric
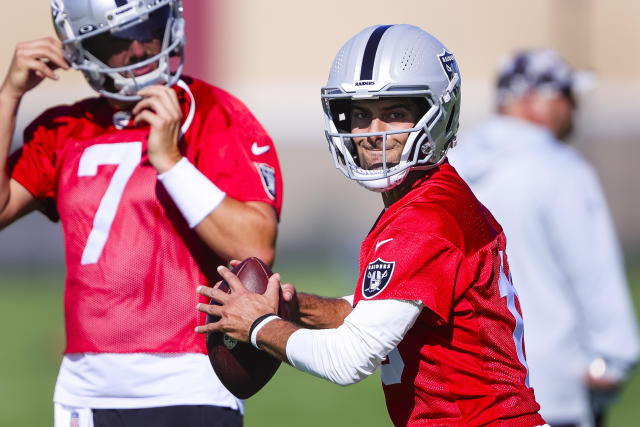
<point x="139" y="293"/>
<point x="459" y="364"/>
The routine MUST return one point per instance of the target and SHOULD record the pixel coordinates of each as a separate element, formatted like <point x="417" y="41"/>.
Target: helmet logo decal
<point x="369" y="57"/>
<point x="449" y="64"/>
<point x="376" y="277"/>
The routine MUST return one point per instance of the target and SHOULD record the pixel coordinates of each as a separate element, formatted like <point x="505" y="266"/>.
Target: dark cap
<point x="540" y="70"/>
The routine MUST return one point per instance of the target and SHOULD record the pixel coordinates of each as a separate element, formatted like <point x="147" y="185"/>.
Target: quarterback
<point x="155" y="183"/>
<point x="434" y="307"/>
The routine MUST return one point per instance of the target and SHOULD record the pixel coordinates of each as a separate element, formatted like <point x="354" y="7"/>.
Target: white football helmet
<point x="83" y="23"/>
<point x="393" y="61"/>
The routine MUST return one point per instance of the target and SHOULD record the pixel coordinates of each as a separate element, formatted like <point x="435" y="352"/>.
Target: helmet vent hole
<point x="338" y="62"/>
<point x="408" y="59"/>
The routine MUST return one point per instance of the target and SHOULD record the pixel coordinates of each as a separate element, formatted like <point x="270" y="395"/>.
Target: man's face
<point x="117" y="51"/>
<point x="562" y="110"/>
<point x="555" y="111"/>
<point x="379" y="115"/>
<point x="132" y="44"/>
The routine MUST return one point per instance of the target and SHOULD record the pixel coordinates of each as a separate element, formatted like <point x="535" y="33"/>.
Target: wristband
<point x="258" y="324"/>
<point x="192" y="192"/>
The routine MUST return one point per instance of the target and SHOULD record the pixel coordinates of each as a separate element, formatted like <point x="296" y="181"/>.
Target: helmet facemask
<point x="90" y="46"/>
<point x="419" y="151"/>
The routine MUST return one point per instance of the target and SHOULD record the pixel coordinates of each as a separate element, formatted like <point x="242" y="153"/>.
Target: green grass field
<point x="31" y="324"/>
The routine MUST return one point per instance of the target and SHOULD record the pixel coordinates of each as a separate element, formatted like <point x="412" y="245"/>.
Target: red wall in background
<point x="201" y="19"/>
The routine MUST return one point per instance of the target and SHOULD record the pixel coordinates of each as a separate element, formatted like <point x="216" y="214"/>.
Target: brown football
<point x="242" y="368"/>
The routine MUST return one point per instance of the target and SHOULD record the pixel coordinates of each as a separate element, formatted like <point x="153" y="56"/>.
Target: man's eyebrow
<point x="388" y="107"/>
<point x="397" y="105"/>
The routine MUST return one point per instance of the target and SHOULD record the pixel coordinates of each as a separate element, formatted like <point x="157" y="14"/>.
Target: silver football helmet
<point x="83" y="25"/>
<point x="393" y="61"/>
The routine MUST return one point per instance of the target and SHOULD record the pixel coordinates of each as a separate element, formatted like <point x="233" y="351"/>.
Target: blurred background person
<point x="581" y="339"/>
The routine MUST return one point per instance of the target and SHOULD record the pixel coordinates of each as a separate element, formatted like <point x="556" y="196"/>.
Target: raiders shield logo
<point x="376" y="277"/>
<point x="268" y="177"/>
<point x="449" y="64"/>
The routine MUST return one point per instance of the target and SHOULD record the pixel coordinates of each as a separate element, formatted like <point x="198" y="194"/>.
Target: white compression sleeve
<point x="349" y="299"/>
<point x="354" y="350"/>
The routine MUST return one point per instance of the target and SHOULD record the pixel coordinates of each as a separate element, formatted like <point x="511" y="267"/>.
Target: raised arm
<point x="32" y="62"/>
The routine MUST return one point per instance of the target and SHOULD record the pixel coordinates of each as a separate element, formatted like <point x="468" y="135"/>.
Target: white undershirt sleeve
<point x="349" y="299"/>
<point x="354" y="350"/>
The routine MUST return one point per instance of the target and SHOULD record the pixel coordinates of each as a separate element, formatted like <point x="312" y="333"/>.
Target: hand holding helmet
<point x="160" y="108"/>
<point x="32" y="62"/>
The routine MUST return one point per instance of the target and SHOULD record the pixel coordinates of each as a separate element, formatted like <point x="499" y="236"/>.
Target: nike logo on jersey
<point x="382" y="242"/>
<point x="257" y="149"/>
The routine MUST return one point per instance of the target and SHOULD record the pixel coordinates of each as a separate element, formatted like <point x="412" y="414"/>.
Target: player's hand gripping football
<point x="32" y="62"/>
<point x="160" y="108"/>
<point x="289" y="295"/>
<point x="237" y="310"/>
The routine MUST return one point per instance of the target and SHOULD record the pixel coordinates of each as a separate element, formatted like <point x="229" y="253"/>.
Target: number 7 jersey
<point x="463" y="361"/>
<point x="133" y="264"/>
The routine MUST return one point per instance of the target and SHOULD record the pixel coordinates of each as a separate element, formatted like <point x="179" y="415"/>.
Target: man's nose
<point x="376" y="125"/>
<point x="136" y="49"/>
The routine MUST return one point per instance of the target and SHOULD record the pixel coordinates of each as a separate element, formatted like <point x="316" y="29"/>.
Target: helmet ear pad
<point x="340" y="110"/>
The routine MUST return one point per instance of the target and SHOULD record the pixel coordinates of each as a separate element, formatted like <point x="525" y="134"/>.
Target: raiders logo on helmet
<point x="449" y="64"/>
<point x="376" y="277"/>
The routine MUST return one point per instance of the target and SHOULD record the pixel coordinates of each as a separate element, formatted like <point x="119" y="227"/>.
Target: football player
<point x="156" y="182"/>
<point x="434" y="306"/>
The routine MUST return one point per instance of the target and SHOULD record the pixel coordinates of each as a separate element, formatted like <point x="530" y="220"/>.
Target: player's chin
<point x="378" y="165"/>
<point x="139" y="71"/>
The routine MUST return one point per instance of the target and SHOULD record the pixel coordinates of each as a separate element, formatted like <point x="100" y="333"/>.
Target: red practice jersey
<point x="462" y="363"/>
<point x="133" y="264"/>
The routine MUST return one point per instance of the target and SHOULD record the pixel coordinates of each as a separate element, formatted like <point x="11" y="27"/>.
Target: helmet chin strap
<point x="385" y="184"/>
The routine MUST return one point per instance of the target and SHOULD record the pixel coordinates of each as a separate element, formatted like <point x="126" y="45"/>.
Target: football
<point x="242" y="368"/>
